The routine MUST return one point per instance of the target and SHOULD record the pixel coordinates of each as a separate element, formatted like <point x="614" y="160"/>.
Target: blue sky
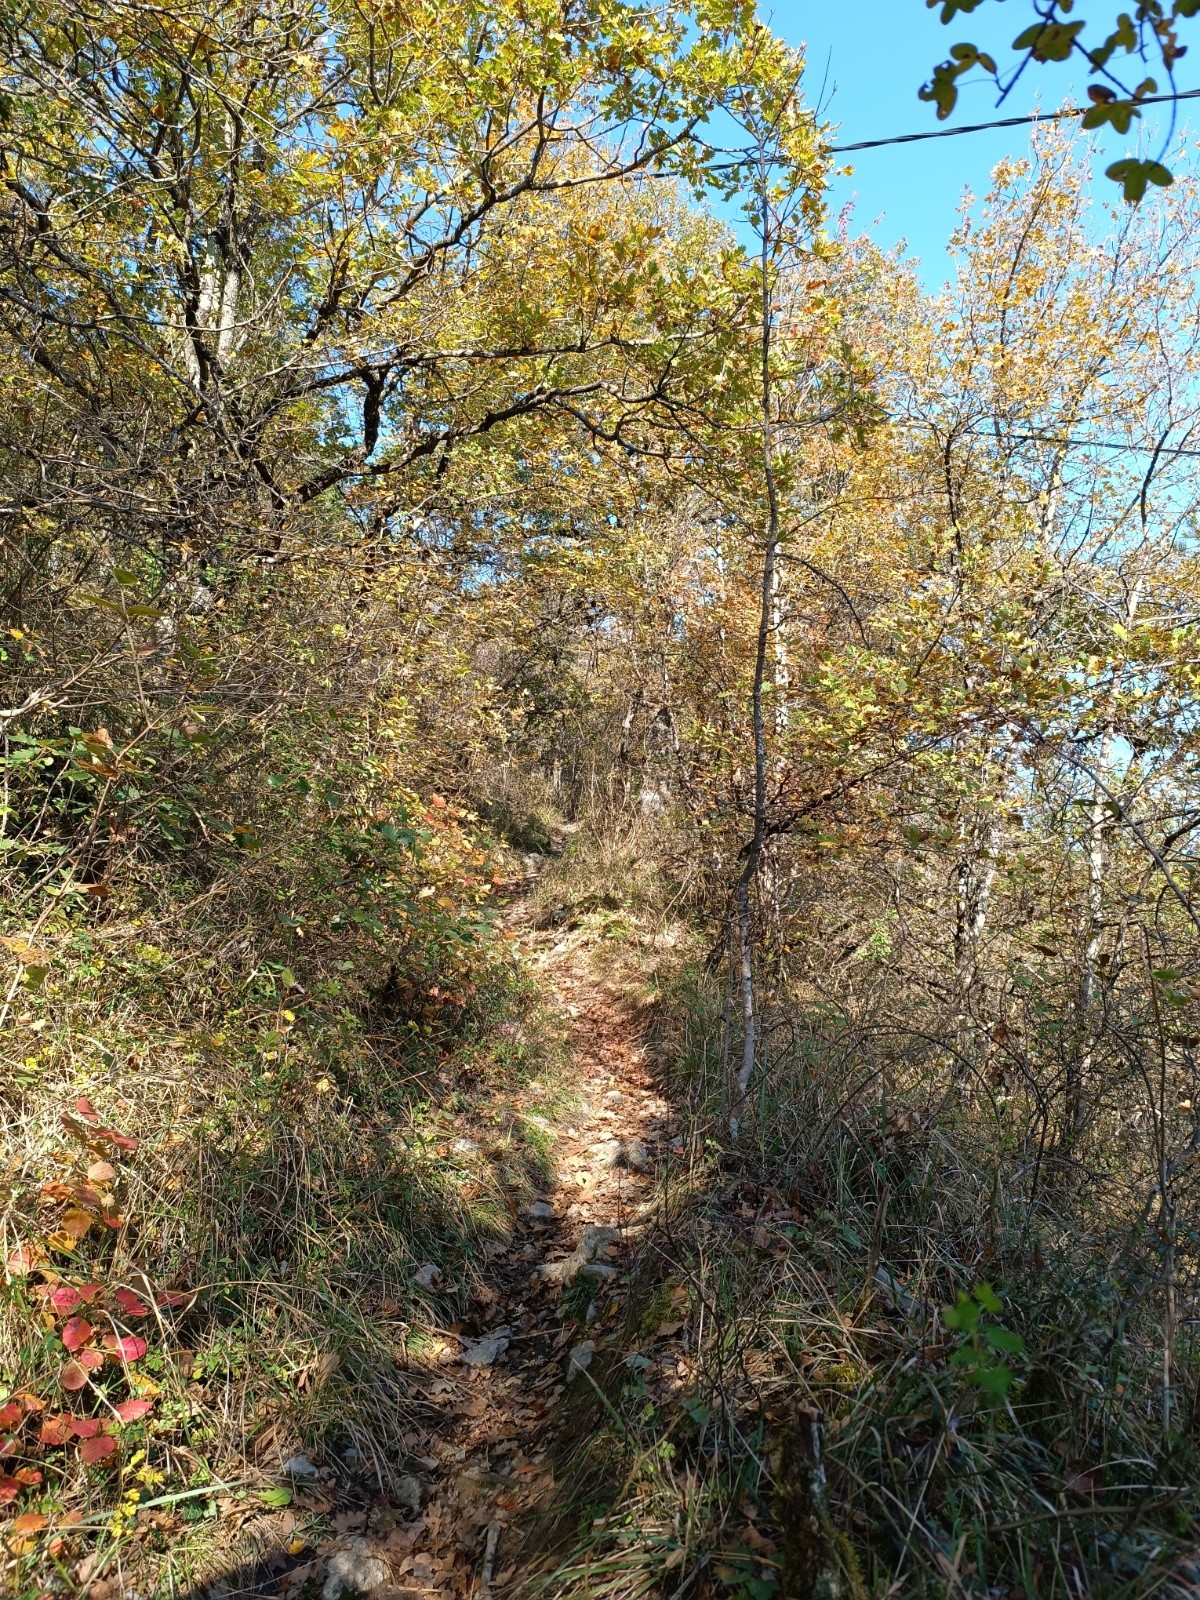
<point x="877" y="53"/>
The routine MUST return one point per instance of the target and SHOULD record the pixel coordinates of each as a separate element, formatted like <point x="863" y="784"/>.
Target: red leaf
<point x="87" y="1427"/>
<point x="90" y="1359"/>
<point x="29" y="1476"/>
<point x="9" y="1489"/>
<point x="130" y="1304"/>
<point x="56" y="1430"/>
<point x="84" y="1108"/>
<point x="8" y="1446"/>
<point x="76" y="1334"/>
<point x="113" y="1219"/>
<point x="122" y="1141"/>
<point x="10" y="1415"/>
<point x="74" y="1376"/>
<point x="171" y="1298"/>
<point x="96" y="1449"/>
<point x="89" y="1291"/>
<point x="127" y="1347"/>
<point x="65" y="1299"/>
<point x="132" y="1410"/>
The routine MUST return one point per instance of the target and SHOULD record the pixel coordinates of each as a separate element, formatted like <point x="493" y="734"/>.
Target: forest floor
<point x="495" y="1395"/>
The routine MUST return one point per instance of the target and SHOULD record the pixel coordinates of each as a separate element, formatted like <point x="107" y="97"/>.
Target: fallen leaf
<point x="65" y="1299"/>
<point x="29" y="1476"/>
<point x="9" y="1489"/>
<point x="76" y="1223"/>
<point x="76" y="1333"/>
<point x="92" y="1450"/>
<point x="57" y="1430"/>
<point x="74" y="1376"/>
<point x="87" y="1427"/>
<point x="23" y="1260"/>
<point x="126" y="1347"/>
<point x="29" y="1522"/>
<point x="132" y="1410"/>
<point x="10" y="1415"/>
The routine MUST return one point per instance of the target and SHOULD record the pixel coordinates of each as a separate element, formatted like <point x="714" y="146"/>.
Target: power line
<point x="1002" y="122"/>
<point x="1087" y="444"/>
<point x="1049" y="438"/>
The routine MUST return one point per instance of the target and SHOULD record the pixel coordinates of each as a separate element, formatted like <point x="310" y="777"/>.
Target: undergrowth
<point x="984" y="1363"/>
<point x="242" y="1115"/>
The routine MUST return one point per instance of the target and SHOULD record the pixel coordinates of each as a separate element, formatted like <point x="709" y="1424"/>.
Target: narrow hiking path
<point x="495" y="1399"/>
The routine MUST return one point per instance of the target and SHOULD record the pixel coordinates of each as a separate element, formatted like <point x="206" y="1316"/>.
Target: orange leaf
<point x="29" y="1522"/>
<point x="56" y="1430"/>
<point x="76" y="1223"/>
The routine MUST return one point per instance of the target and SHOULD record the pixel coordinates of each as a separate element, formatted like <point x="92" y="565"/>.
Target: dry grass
<point x="300" y="1155"/>
<point x="809" y="1267"/>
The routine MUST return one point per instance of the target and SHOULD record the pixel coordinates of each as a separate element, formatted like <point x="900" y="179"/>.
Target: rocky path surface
<point x="494" y="1400"/>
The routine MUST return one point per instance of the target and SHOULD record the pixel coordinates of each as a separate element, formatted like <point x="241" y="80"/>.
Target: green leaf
<point x="276" y="1498"/>
<point x="994" y="1380"/>
<point x="1003" y="1339"/>
<point x="1049" y="41"/>
<point x="988" y="1298"/>
<point x="1134" y="175"/>
<point x="951" y="8"/>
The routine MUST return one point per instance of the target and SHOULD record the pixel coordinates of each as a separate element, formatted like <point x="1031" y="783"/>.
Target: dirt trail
<point x="496" y="1403"/>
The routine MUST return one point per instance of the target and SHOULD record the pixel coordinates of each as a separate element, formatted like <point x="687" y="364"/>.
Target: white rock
<point x="354" y="1570"/>
<point x="406" y="1491"/>
<point x="580" y="1358"/>
<point x="595" y="1240"/>
<point x="486" y="1350"/>
<point x="634" y="1155"/>
<point x="541" y="1211"/>
<point x="299" y="1467"/>
<point x="563" y="1270"/>
<point x="428" y="1276"/>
